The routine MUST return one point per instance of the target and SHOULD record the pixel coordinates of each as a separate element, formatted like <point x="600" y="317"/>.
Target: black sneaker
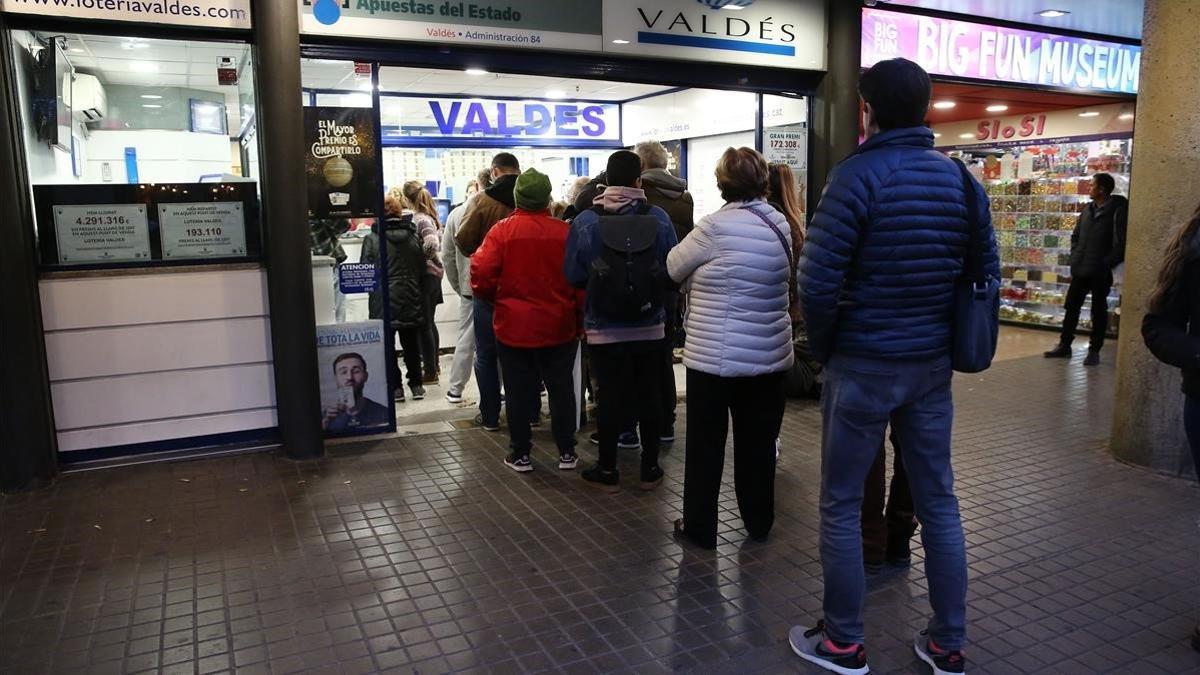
<point x="629" y="441"/>
<point x="537" y="422"/>
<point x="567" y="461"/>
<point x="652" y="477"/>
<point x="1092" y="359"/>
<point x="667" y="437"/>
<point x="487" y="426"/>
<point x="608" y="481"/>
<point x="1060" y="352"/>
<point x="595" y="438"/>
<point x="815" y="647"/>
<point x="518" y="462"/>
<point x="942" y="661"/>
<point x="418" y="392"/>
<point x="398" y="395"/>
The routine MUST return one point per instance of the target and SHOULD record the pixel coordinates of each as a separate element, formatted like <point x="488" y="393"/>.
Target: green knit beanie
<point x="532" y="191"/>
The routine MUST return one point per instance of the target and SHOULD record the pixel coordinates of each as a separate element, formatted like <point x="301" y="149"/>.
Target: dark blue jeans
<point x="487" y="362"/>
<point x="860" y="397"/>
<point x="1191" y="422"/>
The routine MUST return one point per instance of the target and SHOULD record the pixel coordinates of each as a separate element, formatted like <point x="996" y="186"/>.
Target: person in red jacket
<point x="518" y="268"/>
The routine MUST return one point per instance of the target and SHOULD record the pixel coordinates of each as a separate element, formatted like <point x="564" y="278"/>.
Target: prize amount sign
<point x="102" y="233"/>
<point x="202" y="229"/>
<point x="786" y="146"/>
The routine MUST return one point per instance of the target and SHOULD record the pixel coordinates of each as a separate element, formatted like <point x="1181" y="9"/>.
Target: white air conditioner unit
<point x="89" y="103"/>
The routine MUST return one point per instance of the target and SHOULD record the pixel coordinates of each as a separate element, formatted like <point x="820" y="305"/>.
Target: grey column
<point x="280" y="128"/>
<point x="834" y="132"/>
<point x="28" y="447"/>
<point x="1164" y="191"/>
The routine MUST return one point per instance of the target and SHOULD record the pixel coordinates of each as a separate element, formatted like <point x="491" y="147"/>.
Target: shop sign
<point x="1001" y="54"/>
<point x="779" y="33"/>
<point x="353" y="372"/>
<point x="102" y="233"/>
<point x="787" y="145"/>
<point x="207" y="13"/>
<point x="538" y="24"/>
<point x="525" y="120"/>
<point x="1076" y="124"/>
<point x="340" y="158"/>
<point x="202" y="229"/>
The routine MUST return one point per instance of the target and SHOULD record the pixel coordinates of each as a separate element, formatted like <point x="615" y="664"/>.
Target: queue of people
<point x="869" y="288"/>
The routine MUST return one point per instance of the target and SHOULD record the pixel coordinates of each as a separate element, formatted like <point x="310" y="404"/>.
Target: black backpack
<point x="627" y="281"/>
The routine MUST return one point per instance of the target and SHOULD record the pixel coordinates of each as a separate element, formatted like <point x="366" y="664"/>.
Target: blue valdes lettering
<point x="766" y="29"/>
<point x="492" y="118"/>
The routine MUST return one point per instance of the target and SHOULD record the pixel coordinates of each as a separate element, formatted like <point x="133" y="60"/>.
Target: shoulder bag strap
<point x="972" y="261"/>
<point x="793" y="291"/>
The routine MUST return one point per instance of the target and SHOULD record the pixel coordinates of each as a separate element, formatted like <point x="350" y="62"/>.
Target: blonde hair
<point x="742" y="175"/>
<point x="654" y="155"/>
<point x="786" y="193"/>
<point x="419" y="199"/>
<point x="576" y="187"/>
<point x="557" y="209"/>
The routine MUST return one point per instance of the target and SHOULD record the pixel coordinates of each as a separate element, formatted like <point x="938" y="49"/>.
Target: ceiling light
<point x="135" y="45"/>
<point x="620" y="42"/>
<point x="1125" y="116"/>
<point x="999" y="107"/>
<point x="151" y="96"/>
<point x="476" y="71"/>
<point x="1090" y="113"/>
<point x="966" y="135"/>
<point x="556" y="93"/>
<point x="143" y="66"/>
<point x="936" y="135"/>
<point x="151" y="105"/>
<point x="1052" y="13"/>
<point x="944" y="105"/>
<point x="733" y="7"/>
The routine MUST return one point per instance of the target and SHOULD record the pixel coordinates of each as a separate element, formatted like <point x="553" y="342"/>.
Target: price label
<point x="202" y="229"/>
<point x="787" y="145"/>
<point x="102" y="233"/>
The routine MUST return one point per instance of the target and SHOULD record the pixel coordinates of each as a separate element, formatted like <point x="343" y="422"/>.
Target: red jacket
<point x="519" y="268"/>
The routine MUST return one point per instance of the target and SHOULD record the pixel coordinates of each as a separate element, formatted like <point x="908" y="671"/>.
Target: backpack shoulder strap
<point x="644" y="209"/>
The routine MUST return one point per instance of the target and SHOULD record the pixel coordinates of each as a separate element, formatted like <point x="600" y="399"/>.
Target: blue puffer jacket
<point x="884" y="249"/>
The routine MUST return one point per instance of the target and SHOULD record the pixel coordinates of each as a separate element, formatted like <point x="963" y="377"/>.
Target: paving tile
<point x="424" y="554"/>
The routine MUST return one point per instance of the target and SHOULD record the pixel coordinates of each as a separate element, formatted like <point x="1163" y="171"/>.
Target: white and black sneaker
<point x="814" y="646"/>
<point x="943" y="662"/>
<point x="629" y="441"/>
<point x="453" y="398"/>
<point x="518" y="462"/>
<point x="567" y="461"/>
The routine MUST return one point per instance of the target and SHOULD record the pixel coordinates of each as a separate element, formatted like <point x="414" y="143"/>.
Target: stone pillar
<point x="834" y="133"/>
<point x="1164" y="191"/>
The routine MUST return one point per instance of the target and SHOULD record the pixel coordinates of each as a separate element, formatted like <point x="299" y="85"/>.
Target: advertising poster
<point x="202" y="229"/>
<point x="353" y="368"/>
<point x="102" y="232"/>
<point x="787" y="145"/>
<point x="340" y="169"/>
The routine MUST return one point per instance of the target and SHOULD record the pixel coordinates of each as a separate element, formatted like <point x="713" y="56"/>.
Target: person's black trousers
<point x="1077" y="293"/>
<point x="431" y="297"/>
<point x="667" y="390"/>
<point x="756" y="405"/>
<point x="629" y="375"/>
<point x="523" y="369"/>
<point x="410" y="343"/>
<point x="886" y="534"/>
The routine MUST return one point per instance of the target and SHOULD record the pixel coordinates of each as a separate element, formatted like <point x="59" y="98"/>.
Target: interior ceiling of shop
<point x="1122" y="18"/>
<point x="323" y="74"/>
<point x="176" y="63"/>
<point x="971" y="101"/>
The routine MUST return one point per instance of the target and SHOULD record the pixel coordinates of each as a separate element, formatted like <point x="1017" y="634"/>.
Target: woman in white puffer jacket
<point x="736" y="268"/>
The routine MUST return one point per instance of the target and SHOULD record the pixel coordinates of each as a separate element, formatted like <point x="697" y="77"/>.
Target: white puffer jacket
<point x="735" y="272"/>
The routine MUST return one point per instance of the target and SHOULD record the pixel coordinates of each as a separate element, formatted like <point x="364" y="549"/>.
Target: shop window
<point x="139" y="151"/>
<point x="785" y="138"/>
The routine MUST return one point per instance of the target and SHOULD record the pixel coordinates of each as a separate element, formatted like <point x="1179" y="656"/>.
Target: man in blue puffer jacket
<point x="877" y="278"/>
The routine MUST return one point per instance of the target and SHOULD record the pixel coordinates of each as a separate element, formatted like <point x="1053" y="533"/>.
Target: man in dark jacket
<point x="670" y="194"/>
<point x="483" y="212"/>
<point x="877" y="278"/>
<point x="1097" y="247"/>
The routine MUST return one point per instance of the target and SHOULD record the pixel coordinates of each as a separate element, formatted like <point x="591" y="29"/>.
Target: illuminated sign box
<point x="1000" y="54"/>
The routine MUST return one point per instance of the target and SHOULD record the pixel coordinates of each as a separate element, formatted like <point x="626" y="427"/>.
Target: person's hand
<point x="331" y="413"/>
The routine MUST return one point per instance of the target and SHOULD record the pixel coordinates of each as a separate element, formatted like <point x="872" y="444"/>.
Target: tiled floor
<point x="424" y="554"/>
